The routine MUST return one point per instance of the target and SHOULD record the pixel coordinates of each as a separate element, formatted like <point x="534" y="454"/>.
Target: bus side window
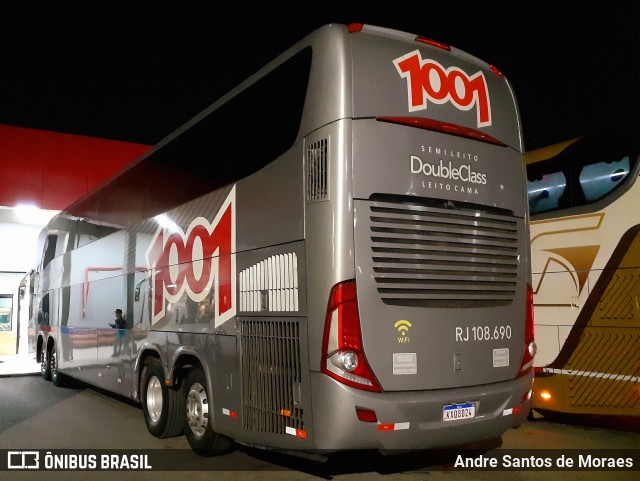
<point x="545" y="193"/>
<point x="49" y="250"/>
<point x="597" y="180"/>
<point x="43" y="312"/>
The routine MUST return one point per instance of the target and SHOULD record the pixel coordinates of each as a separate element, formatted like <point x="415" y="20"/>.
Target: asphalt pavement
<point x="80" y="420"/>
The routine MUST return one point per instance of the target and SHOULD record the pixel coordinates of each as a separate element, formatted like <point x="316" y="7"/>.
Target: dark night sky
<point x="135" y="71"/>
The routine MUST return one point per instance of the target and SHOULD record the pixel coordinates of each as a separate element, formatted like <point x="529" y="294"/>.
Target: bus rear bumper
<point x="413" y="420"/>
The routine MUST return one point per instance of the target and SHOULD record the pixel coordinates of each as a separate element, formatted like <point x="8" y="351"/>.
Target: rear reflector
<point x="366" y="415"/>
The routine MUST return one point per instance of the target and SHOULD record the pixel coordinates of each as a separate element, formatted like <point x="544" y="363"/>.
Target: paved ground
<point x="18" y="364"/>
<point x="38" y="416"/>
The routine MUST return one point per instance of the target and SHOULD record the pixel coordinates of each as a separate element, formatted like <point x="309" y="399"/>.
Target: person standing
<point x="120" y="324"/>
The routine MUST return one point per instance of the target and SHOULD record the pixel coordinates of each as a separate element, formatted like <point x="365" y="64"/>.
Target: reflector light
<point x="444" y="127"/>
<point x="366" y="415"/>
<point x="355" y="27"/>
<point x="433" y="43"/>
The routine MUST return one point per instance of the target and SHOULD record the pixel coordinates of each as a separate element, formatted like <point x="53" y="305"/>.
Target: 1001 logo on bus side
<point x="194" y="262"/>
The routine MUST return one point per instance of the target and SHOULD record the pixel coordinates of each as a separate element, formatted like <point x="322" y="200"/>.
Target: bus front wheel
<point x="162" y="405"/>
<point x="198" y="423"/>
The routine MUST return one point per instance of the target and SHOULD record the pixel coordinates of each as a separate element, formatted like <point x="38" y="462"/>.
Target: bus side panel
<point x="221" y="361"/>
<point x="596" y="369"/>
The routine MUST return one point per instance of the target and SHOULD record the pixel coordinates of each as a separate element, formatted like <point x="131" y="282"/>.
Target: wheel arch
<point x="144" y="354"/>
<point x="184" y="359"/>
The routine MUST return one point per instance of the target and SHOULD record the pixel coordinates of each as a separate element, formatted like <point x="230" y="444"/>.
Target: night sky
<point x="135" y="71"/>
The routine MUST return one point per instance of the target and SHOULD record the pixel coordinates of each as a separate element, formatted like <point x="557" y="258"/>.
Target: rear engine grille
<point x="271" y="375"/>
<point x="442" y="257"/>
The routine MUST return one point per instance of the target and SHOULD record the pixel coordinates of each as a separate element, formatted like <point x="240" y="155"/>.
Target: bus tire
<point x="57" y="377"/>
<point x="198" y="421"/>
<point x="162" y="405"/>
<point x="45" y="366"/>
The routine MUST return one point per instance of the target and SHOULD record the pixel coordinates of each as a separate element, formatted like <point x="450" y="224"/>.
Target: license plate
<point x="455" y="412"/>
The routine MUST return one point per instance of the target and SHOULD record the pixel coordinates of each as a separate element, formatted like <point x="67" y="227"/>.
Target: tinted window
<point x="584" y="172"/>
<point x="597" y="180"/>
<point x="545" y="192"/>
<point x="237" y="139"/>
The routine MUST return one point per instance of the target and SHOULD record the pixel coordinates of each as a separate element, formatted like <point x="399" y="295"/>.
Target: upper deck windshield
<point x="586" y="171"/>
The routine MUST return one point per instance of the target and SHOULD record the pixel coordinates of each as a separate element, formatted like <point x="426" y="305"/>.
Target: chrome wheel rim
<point x="154" y="399"/>
<point x="53" y="365"/>
<point x="197" y="406"/>
<point x="43" y="361"/>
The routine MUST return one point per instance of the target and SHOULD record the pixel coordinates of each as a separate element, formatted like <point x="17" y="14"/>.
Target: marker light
<point x="546" y="395"/>
<point x="496" y="71"/>
<point x="433" y="43"/>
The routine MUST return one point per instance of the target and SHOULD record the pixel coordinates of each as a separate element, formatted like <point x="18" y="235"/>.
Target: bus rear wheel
<point x="56" y="377"/>
<point x="45" y="364"/>
<point x="162" y="405"/>
<point x="198" y="422"/>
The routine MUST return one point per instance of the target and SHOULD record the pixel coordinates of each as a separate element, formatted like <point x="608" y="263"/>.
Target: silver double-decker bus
<point x="332" y="256"/>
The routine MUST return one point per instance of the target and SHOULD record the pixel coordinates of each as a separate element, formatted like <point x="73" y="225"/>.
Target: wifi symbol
<point x="402" y="326"/>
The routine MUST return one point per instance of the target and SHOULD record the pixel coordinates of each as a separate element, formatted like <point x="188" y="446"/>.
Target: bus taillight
<point x="529" y="339"/>
<point x="342" y="355"/>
